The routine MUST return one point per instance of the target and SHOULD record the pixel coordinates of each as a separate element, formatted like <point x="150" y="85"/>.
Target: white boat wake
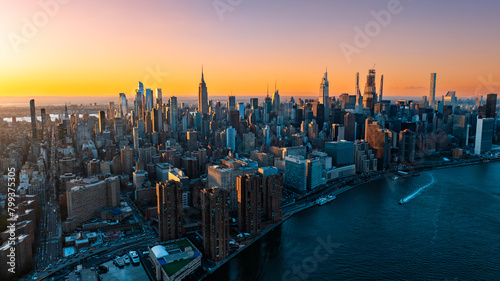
<point x="414" y="194"/>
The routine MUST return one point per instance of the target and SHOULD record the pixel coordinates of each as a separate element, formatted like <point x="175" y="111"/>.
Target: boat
<point x="401" y="202"/>
<point x="395" y="178"/>
<point x="323" y="200"/>
<point x="134" y="256"/>
<point x="126" y="259"/>
<point x="118" y="261"/>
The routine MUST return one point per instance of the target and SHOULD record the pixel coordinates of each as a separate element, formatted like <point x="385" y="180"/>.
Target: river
<point x="449" y="230"/>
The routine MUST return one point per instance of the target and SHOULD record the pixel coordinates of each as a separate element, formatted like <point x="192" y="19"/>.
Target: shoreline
<point x="338" y="191"/>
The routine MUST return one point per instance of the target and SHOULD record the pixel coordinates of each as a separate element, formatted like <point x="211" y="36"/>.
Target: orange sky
<point x="105" y="47"/>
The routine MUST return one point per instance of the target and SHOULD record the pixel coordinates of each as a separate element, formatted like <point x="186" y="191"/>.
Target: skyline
<point x="247" y="46"/>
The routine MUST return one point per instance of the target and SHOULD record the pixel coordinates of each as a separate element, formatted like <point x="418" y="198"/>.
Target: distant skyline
<point x="86" y="48"/>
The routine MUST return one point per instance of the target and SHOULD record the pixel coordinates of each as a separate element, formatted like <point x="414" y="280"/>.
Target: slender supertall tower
<point x="432" y="93"/>
<point x="381" y="88"/>
<point x="138" y="107"/>
<point x="324" y="96"/>
<point x="33" y="119"/>
<point x="202" y="95"/>
<point x="359" y="99"/>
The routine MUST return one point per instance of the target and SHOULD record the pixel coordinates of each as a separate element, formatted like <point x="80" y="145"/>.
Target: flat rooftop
<point x="179" y="255"/>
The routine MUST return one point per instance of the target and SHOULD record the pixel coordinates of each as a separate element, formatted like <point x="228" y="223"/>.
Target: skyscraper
<point x="102" y="121"/>
<point x="157" y="119"/>
<point x="370" y="95"/>
<point x="432" y="93"/>
<point x="119" y="127"/>
<point x="324" y="96"/>
<point x="170" y="219"/>
<point x="33" y="119"/>
<point x="127" y="160"/>
<point x="148" y="100"/>
<point x="249" y="203"/>
<point x="484" y="135"/>
<point x="231" y="103"/>
<point x="491" y="105"/>
<point x="135" y="134"/>
<point x="359" y="99"/>
<point x="231" y="138"/>
<point x="159" y="98"/>
<point x="123" y="105"/>
<point x="381" y="88"/>
<point x="44" y="120"/>
<point x="276" y="101"/>
<point x="350" y="126"/>
<point x="173" y="114"/>
<point x="138" y="103"/>
<point x="202" y="95"/>
<point x="215" y="222"/>
<point x="272" y="194"/>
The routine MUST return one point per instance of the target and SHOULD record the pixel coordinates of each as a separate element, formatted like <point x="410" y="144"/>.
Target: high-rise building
<point x="381" y="88"/>
<point x="364" y="159"/>
<point x="85" y="197"/>
<point x="231" y="138"/>
<point x="350" y="126"/>
<point x="379" y="141"/>
<point x="170" y="219"/>
<point x="324" y="96"/>
<point x="192" y="140"/>
<point x="159" y="98"/>
<point x="407" y="141"/>
<point x="135" y="134"/>
<point x="148" y="100"/>
<point x="138" y="103"/>
<point x="359" y="99"/>
<point x="484" y="135"/>
<point x="127" y="159"/>
<point x="491" y="106"/>
<point x="370" y="95"/>
<point x="174" y="114"/>
<point x="276" y="101"/>
<point x="202" y="95"/>
<point x="215" y="222"/>
<point x="314" y="173"/>
<point x="241" y="110"/>
<point x="254" y="103"/>
<point x="157" y="119"/>
<point x="123" y="105"/>
<point x="296" y="172"/>
<point x="44" y="121"/>
<point x="33" y="119"/>
<point x="249" y="203"/>
<point x="119" y="127"/>
<point x="342" y="152"/>
<point x="272" y="194"/>
<point x="432" y="92"/>
<point x="102" y="121"/>
<point x="231" y="103"/>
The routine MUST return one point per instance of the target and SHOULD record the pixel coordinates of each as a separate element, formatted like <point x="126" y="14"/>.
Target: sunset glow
<point x="105" y="47"/>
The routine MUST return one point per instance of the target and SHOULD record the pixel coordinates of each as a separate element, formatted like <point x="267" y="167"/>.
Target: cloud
<point x="413" y="88"/>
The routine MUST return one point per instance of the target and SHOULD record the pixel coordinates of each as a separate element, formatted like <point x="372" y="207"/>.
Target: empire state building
<point x="202" y="96"/>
